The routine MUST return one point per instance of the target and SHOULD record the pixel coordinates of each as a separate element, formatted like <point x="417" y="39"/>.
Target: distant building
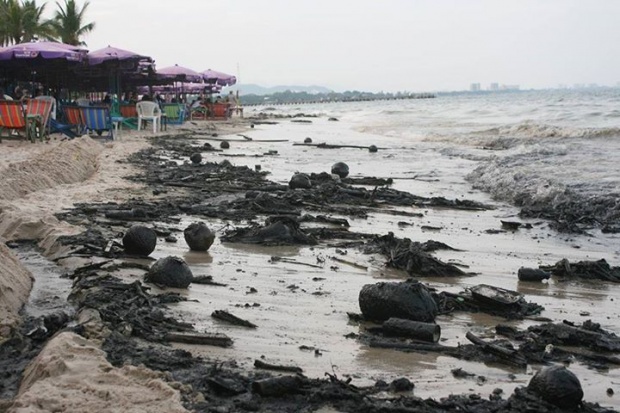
<point x="494" y="86"/>
<point x="474" y="87"/>
<point x="510" y="87"/>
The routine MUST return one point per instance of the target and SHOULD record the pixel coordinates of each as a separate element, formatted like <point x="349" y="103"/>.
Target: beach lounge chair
<point x="12" y="117"/>
<point x="219" y="111"/>
<point x="175" y="113"/>
<point x="38" y="113"/>
<point x="198" y="113"/>
<point x="64" y="128"/>
<point x="72" y="115"/>
<point x="129" y="114"/>
<point x="148" y="111"/>
<point x="98" y="119"/>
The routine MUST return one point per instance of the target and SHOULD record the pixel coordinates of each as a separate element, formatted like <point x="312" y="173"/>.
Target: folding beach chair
<point x="129" y="114"/>
<point x="98" y="119"/>
<point x="64" y="128"/>
<point x="175" y="112"/>
<point x="219" y="111"/>
<point x="37" y="118"/>
<point x="72" y="116"/>
<point x="12" y="117"/>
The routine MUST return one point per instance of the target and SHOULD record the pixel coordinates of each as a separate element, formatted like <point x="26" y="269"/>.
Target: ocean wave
<point x="526" y="133"/>
<point x="537" y="130"/>
<point x="544" y="188"/>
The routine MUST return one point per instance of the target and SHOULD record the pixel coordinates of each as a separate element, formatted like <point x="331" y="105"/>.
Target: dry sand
<point x="39" y="180"/>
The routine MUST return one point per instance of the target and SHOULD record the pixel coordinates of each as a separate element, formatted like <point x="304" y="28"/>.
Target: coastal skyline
<point x="419" y="45"/>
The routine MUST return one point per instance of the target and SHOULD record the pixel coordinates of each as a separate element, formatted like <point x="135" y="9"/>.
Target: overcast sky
<point x="372" y="45"/>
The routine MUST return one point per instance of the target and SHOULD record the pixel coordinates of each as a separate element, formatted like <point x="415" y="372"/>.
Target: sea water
<point x="530" y="147"/>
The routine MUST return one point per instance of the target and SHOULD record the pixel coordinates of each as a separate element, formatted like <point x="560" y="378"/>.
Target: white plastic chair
<point x="148" y="111"/>
<point x="82" y="101"/>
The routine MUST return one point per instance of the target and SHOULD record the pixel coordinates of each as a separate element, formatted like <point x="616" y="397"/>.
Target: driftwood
<point x="232" y="319"/>
<point x="428" y="332"/>
<point x="292" y="261"/>
<point x="332" y="146"/>
<point x="505" y="355"/>
<point x="276" y="367"/>
<point x="352" y="264"/>
<point x="207" y="280"/>
<point x="344" y="210"/>
<point x="277" y="386"/>
<point x="433" y="348"/>
<point x="218" y="340"/>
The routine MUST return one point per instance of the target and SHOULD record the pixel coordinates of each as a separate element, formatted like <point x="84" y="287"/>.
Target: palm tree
<point x="21" y="22"/>
<point x="34" y="27"/>
<point x="68" y="23"/>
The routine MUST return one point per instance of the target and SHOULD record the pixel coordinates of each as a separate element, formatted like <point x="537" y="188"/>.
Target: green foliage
<point x="289" y="96"/>
<point x="68" y="23"/>
<point x="22" y="21"/>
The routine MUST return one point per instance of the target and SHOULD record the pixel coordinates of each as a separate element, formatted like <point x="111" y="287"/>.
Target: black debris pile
<point x="412" y="257"/>
<point x="225" y="387"/>
<point x="576" y="214"/>
<point x="24" y="344"/>
<point x="278" y="230"/>
<point x="490" y="300"/>
<point x="126" y="307"/>
<point x="565" y="341"/>
<point x="600" y="270"/>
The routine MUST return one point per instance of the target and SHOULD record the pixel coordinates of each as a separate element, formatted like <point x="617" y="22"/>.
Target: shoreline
<point x="279" y="177"/>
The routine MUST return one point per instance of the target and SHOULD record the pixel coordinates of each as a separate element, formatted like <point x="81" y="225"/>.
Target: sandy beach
<point x="300" y="300"/>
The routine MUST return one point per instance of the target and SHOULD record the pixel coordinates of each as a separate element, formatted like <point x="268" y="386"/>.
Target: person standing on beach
<point x="231" y="99"/>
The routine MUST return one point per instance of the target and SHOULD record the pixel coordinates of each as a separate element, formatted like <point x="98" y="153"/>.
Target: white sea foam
<point x="547" y="147"/>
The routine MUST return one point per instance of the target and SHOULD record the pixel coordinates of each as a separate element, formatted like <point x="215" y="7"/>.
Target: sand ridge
<point x="71" y="374"/>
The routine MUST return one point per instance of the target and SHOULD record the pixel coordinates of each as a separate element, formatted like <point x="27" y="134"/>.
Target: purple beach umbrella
<point x="222" y="79"/>
<point x="114" y="53"/>
<point x="44" y="50"/>
<point x="180" y="73"/>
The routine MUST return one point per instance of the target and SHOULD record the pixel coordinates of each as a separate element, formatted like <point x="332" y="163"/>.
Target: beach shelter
<point x="118" y="65"/>
<point x="46" y="62"/>
<point x="179" y="74"/>
<point x="219" y="78"/>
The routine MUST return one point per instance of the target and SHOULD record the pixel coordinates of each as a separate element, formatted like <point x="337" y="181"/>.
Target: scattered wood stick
<point x="504" y="354"/>
<point x="276" y="367"/>
<point x="352" y="264"/>
<point x="292" y="261"/>
<point x="232" y="319"/>
<point x="219" y="340"/>
<point x="207" y="280"/>
<point x="332" y="146"/>
<point x="436" y="348"/>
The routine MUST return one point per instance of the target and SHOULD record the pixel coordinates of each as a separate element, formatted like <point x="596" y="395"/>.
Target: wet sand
<point x="300" y="305"/>
<point x="306" y="306"/>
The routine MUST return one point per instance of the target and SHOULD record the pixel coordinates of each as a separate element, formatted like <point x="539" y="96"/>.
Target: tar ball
<point x="170" y="272"/>
<point x="372" y="149"/>
<point x="224" y="145"/>
<point x="341" y="169"/>
<point x="300" y="180"/>
<point x="252" y="126"/>
<point x="308" y="140"/>
<point x="140" y="240"/>
<point x="198" y="236"/>
<point x="196" y="158"/>
<point x="557" y="385"/>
